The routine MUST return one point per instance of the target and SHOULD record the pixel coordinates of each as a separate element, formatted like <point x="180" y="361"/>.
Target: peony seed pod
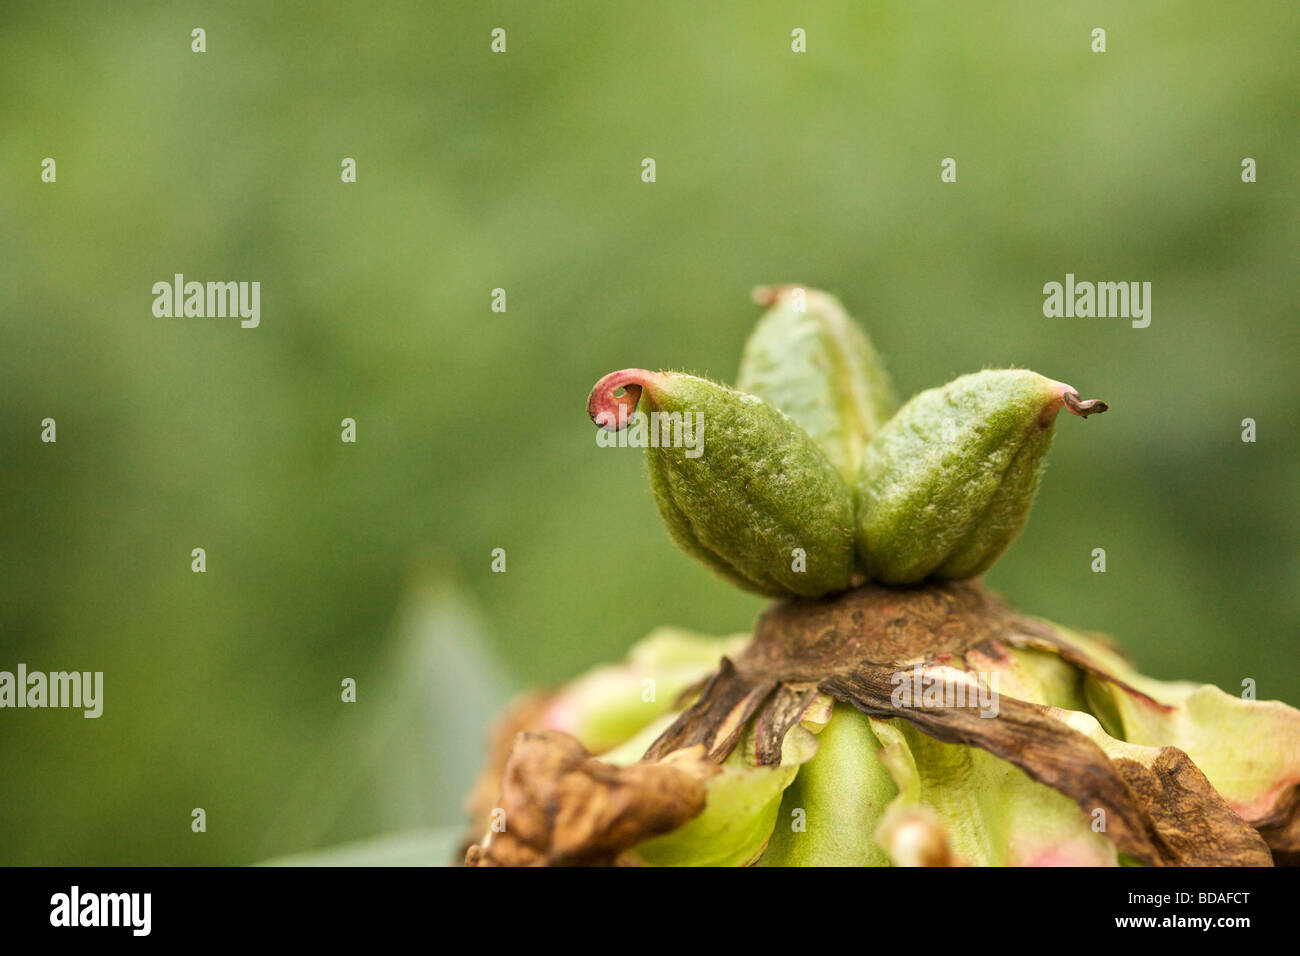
<point x="740" y="486"/>
<point x="928" y="725"/>
<point x="947" y="484"/>
<point x="812" y="361"/>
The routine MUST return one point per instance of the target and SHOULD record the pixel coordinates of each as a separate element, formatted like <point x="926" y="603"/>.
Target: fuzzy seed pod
<point x="741" y="487"/>
<point x="811" y="360"/>
<point x="947" y="484"/>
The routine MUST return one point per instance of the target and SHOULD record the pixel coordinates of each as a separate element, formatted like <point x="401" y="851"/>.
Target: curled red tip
<point x="1093" y="406"/>
<point x="612" y="412"/>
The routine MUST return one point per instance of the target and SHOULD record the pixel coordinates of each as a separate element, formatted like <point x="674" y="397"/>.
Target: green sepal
<point x="830" y="813"/>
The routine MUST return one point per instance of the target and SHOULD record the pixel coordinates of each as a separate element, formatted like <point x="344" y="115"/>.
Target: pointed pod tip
<point x="770" y="295"/>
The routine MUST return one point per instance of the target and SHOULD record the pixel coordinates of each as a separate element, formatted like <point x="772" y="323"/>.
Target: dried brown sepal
<point x="799" y="642"/>
<point x="1190" y="816"/>
<point x="783" y="710"/>
<point x="561" y="807"/>
<point x="718" y="718"/>
<point x="1165" y="814"/>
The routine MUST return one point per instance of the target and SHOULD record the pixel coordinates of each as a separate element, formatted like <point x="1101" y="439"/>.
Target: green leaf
<point x="412" y="848"/>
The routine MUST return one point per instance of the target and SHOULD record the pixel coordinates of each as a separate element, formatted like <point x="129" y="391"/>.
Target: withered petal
<point x="561" y="807"/>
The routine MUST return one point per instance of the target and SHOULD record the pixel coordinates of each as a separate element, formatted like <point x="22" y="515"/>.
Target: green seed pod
<point x="947" y="484"/>
<point x="812" y="361"/>
<point x="740" y="486"/>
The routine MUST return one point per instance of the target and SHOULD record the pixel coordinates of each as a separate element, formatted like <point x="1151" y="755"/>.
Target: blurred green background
<point x="522" y="171"/>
